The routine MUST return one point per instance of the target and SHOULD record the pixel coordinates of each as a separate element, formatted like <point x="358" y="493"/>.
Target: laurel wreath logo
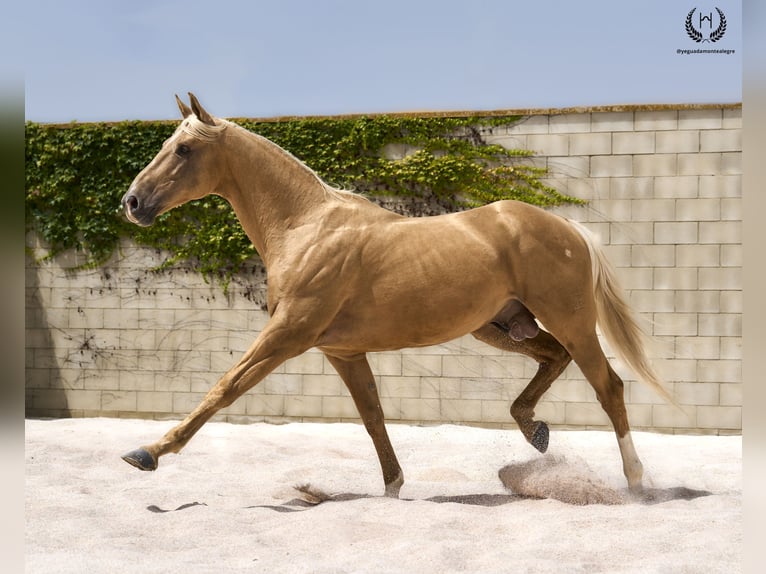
<point x="715" y="35"/>
<point x="719" y="32"/>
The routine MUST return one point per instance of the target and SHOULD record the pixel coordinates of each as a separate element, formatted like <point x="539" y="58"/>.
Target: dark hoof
<point x="141" y="459"/>
<point x="540" y="437"/>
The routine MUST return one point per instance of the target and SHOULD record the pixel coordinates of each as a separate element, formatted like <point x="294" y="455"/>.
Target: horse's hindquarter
<point x="421" y="281"/>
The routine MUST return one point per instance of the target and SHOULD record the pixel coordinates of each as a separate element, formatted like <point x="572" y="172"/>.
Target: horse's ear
<point x="185" y="110"/>
<point x="200" y="112"/>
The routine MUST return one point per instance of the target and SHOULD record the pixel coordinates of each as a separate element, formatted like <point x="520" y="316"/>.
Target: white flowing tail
<point x="616" y="318"/>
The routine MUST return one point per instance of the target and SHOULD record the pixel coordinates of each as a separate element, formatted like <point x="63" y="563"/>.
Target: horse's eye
<point x="183" y="149"/>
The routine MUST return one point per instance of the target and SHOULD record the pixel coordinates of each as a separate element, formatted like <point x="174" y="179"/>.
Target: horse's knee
<point x="225" y="393"/>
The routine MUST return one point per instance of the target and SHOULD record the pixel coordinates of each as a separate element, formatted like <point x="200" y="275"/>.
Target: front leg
<point x="273" y="346"/>
<point x="357" y="375"/>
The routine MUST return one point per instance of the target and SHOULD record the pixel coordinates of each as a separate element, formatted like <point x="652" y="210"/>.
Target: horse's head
<point x="185" y="168"/>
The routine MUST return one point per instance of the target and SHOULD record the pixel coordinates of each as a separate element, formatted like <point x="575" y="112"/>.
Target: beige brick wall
<point x="664" y="195"/>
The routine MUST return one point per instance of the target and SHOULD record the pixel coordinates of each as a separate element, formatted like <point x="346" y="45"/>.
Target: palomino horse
<point x="349" y="277"/>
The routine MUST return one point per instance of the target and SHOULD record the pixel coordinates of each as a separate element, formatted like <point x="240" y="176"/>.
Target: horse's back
<point x="501" y="243"/>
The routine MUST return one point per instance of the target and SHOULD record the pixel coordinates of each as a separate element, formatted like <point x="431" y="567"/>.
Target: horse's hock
<point x="664" y="191"/>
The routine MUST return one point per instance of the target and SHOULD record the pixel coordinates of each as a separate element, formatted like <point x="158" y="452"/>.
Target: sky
<point x="99" y="60"/>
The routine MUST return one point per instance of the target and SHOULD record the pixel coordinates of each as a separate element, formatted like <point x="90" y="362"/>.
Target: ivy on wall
<point x="77" y="174"/>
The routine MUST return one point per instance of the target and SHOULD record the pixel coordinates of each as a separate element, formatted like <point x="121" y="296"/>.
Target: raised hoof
<point x="141" y="459"/>
<point x="540" y="437"/>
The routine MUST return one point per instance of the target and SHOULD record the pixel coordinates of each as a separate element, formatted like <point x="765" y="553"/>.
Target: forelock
<point x="200" y="130"/>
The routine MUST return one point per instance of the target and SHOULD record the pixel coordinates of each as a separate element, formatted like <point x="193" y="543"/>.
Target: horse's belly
<point x="412" y="321"/>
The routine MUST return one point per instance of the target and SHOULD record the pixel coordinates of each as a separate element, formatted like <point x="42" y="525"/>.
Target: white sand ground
<point x="228" y="502"/>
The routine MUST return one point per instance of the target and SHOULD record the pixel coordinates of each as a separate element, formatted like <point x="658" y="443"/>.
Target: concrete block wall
<point x="664" y="193"/>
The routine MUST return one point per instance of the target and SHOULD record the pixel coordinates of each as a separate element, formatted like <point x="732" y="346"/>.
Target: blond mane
<point x="205" y="132"/>
<point x="334" y="192"/>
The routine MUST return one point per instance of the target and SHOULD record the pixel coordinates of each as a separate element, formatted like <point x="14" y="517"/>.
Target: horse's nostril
<point x="131" y="202"/>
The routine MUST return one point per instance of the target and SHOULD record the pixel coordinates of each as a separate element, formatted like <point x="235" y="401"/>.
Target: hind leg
<point x="552" y="359"/>
<point x="609" y="390"/>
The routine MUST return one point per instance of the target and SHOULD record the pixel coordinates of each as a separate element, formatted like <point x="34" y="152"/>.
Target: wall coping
<point x="521" y="111"/>
<point x="459" y="113"/>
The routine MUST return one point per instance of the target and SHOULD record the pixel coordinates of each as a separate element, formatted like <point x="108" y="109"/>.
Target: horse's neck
<point x="271" y="191"/>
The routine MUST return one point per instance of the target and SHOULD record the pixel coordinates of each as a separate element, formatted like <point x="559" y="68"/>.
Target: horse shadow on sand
<point x="548" y="477"/>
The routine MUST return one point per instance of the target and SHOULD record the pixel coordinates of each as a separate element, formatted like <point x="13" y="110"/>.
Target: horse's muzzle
<point x="136" y="211"/>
